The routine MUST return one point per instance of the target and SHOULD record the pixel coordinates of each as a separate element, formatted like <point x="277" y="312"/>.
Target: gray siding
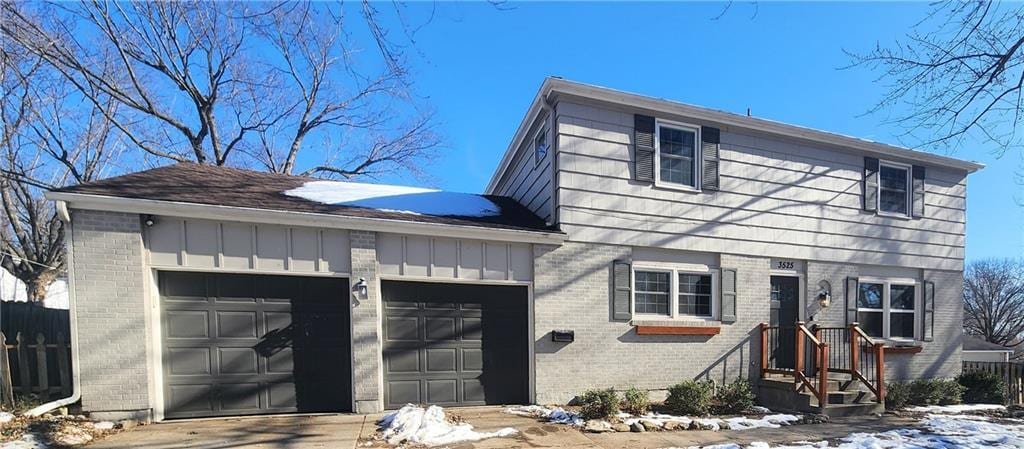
<point x="526" y="180"/>
<point x="778" y="198"/>
<point x="421" y="256"/>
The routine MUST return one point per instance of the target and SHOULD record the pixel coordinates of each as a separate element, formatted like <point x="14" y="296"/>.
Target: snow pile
<point x="6" y="417"/>
<point x="767" y="422"/>
<point x="406" y="200"/>
<point x="938" y="432"/>
<point x="27" y="441"/>
<point x="658" y="418"/>
<point x="104" y="425"/>
<point x="556" y="415"/>
<point x="957" y="409"/>
<point x="430" y="427"/>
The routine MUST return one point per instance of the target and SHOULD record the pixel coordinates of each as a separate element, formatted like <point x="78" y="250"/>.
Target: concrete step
<point x="860" y="409"/>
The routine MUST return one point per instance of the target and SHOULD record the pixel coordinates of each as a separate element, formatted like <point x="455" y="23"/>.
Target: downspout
<point x="76" y="380"/>
<point x="547" y="108"/>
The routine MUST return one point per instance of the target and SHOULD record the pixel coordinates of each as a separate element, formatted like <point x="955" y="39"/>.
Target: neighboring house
<point x="13" y="289"/>
<point x="976" y="349"/>
<point x="623" y="241"/>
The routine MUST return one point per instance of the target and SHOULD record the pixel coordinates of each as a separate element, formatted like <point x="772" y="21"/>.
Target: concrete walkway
<point x="347" y="431"/>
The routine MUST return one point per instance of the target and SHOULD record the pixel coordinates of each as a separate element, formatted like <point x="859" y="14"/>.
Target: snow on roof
<point x="389" y="198"/>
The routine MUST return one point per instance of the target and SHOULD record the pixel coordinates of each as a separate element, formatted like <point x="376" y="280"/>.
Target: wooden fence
<point x="1012" y="373"/>
<point x="34" y="366"/>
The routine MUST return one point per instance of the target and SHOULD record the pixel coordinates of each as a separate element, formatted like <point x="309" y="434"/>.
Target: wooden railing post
<point x="854" y="348"/>
<point x="764" y="350"/>
<point x="25" y="375"/>
<point x="798" y="364"/>
<point x="6" y="386"/>
<point x="880" y="371"/>
<point x="823" y="377"/>
<point x="817" y="336"/>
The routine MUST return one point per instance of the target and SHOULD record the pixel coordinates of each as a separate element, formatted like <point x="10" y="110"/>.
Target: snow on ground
<point x="956" y="409"/>
<point x="407" y="200"/>
<point x="429" y="427"/>
<point x="27" y="441"/>
<point x="560" y="416"/>
<point x="936" y="432"/>
<point x="6" y="417"/>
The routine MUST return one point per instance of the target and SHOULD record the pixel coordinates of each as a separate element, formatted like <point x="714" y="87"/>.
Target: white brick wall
<point x="366" y="348"/>
<point x="109" y="295"/>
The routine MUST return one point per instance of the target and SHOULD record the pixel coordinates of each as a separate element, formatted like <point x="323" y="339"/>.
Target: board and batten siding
<point x="526" y="180"/>
<point x="778" y="198"/>
<point x="456" y="259"/>
<point x="239" y="247"/>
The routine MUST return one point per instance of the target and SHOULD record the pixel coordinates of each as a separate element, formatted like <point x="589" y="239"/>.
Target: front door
<point x="785" y="312"/>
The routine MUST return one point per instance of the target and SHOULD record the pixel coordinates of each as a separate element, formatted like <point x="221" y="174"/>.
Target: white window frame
<point x="673" y="295"/>
<point x="887" y="310"/>
<point x="697" y="155"/>
<point x="547" y="145"/>
<point x="908" y="183"/>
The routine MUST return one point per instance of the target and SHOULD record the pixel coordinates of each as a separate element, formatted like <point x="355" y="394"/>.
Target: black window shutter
<point x="870" y="184"/>
<point x="852" y="288"/>
<point x="710" y="139"/>
<point x="928" y="318"/>
<point x="918" y="186"/>
<point x="621" y="290"/>
<point x="643" y="140"/>
<point x="728" y="299"/>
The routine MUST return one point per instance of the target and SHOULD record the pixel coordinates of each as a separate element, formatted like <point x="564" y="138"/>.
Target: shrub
<point x="599" y="404"/>
<point x="733" y="398"/>
<point x="923" y="392"/>
<point x="897" y="396"/>
<point x="690" y="397"/>
<point x="635" y="401"/>
<point x="982" y="387"/>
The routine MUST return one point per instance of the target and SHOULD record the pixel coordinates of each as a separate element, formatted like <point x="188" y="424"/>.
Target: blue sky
<point x="479" y="67"/>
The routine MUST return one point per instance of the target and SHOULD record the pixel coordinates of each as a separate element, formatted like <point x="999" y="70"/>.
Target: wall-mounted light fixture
<point x="360" y="290"/>
<point x="824" y="293"/>
<point x="149" y="221"/>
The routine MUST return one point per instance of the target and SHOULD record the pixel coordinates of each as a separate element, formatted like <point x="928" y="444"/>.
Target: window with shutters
<point x="677" y="155"/>
<point x="673" y="293"/>
<point x="894" y="189"/>
<point x="888" y="308"/>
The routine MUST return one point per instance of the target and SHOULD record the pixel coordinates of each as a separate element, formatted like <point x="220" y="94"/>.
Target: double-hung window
<point x="678" y="155"/>
<point x="894" y="188"/>
<point x="887" y="309"/>
<point x="673" y="293"/>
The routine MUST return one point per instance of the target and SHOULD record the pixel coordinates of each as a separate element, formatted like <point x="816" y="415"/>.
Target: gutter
<point x="292" y="218"/>
<point x="76" y="378"/>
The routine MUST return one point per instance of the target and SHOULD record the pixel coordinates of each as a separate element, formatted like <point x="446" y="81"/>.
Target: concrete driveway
<point x="347" y="431"/>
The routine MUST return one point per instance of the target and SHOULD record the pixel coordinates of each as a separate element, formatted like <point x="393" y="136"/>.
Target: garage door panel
<point x="442" y="391"/>
<point x="435" y="353"/>
<point x="440" y="328"/>
<point x="236" y="353"/>
<point x="187" y="324"/>
<point x="403" y="392"/>
<point x="236" y="324"/>
<point x="183" y="286"/>
<point x="237" y="361"/>
<point x="441" y="360"/>
<point x="189" y="361"/>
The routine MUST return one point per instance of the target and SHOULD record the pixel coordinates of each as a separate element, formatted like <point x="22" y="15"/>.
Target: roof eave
<point x="294" y="218"/>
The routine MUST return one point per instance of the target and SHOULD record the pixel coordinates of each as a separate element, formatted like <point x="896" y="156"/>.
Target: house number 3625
<point x="784" y="265"/>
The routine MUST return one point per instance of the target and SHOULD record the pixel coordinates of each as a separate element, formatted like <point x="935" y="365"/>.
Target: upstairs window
<point x="540" y="145"/>
<point x="677" y="155"/>
<point x="894" y="189"/>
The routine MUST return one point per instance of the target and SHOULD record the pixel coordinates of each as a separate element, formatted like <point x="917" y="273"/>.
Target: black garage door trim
<point x="454" y="344"/>
<point x="239" y="344"/>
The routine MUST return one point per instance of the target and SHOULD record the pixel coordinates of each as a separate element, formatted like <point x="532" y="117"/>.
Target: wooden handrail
<point x="878" y="350"/>
<point x="821" y="389"/>
<point x="764" y="350"/>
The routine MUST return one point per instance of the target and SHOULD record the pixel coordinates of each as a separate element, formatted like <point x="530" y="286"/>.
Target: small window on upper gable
<point x="540" y="145"/>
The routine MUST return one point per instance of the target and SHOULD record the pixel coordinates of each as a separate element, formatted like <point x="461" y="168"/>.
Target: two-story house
<point x="623" y="241"/>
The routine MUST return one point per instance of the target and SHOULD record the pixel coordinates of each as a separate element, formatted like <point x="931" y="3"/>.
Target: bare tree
<point x="958" y="73"/>
<point x="994" y="301"/>
<point x="243" y="83"/>
<point x="46" y="143"/>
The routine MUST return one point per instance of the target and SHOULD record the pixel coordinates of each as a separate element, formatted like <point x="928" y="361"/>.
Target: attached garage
<point x="238" y="344"/>
<point x="454" y="344"/>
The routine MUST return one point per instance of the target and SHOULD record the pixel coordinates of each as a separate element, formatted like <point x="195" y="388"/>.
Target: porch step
<point x="846" y="397"/>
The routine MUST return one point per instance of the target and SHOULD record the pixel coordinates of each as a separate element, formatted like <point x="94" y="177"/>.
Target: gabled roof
<point x="975" y="343"/>
<point x="189" y="183"/>
<point x="553" y="87"/>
